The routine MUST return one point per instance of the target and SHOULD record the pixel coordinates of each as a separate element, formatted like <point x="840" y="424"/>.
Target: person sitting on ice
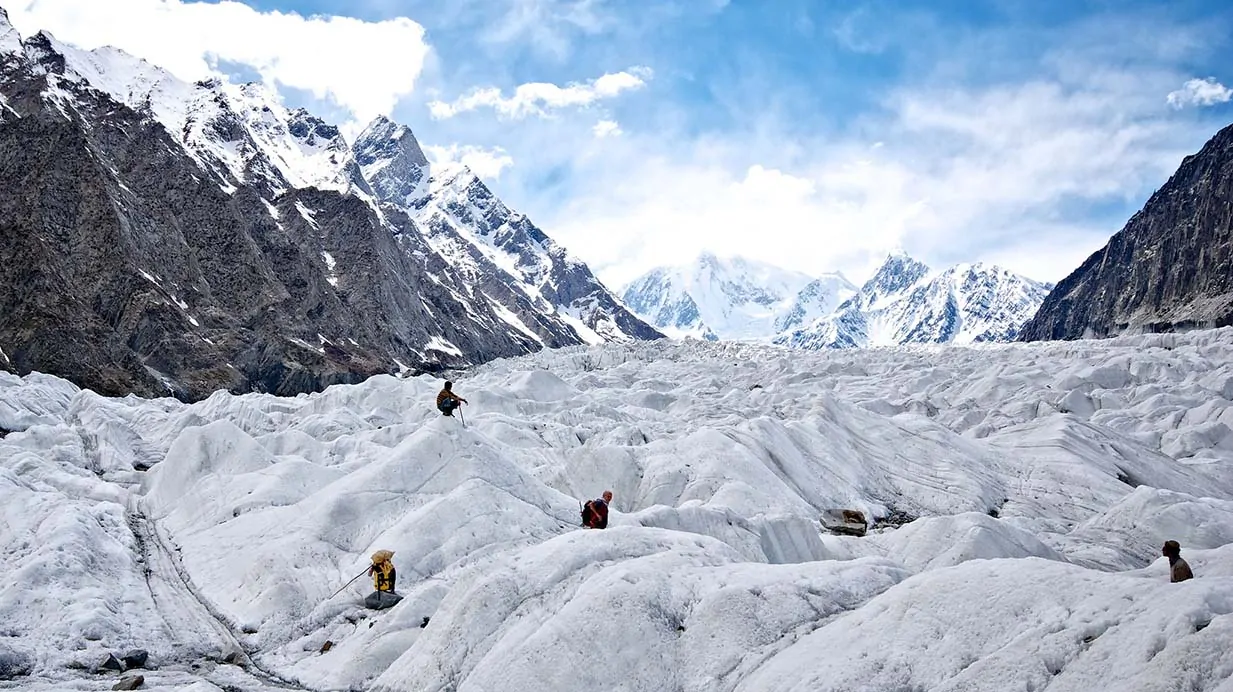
<point x="1180" y="571"/>
<point x="447" y="400"/>
<point x="595" y="512"/>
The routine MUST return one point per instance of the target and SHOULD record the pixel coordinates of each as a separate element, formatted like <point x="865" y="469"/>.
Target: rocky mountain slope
<point x="161" y="237"/>
<point x="905" y="303"/>
<point x="1169" y="268"/>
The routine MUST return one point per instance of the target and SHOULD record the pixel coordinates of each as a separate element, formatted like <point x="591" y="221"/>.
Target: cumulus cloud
<point x="537" y="98"/>
<point x="983" y="172"/>
<point x="607" y="128"/>
<point x="331" y="57"/>
<point x="1200" y="92"/>
<point x="485" y="163"/>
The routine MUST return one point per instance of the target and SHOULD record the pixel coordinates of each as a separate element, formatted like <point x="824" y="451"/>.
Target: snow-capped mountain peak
<point x="817" y="299"/>
<point x="304" y="150"/>
<point x="897" y="273"/>
<point x="905" y="302"/>
<point x="391" y="160"/>
<point x="10" y="40"/>
<point x="241" y="131"/>
<point x="714" y="297"/>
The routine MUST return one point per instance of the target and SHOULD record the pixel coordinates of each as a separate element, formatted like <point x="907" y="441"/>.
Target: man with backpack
<point x="447" y="400"/>
<point x="595" y="512"/>
<point x="382" y="571"/>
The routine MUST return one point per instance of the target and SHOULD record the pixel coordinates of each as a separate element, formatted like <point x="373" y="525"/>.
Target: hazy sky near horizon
<point x="811" y="134"/>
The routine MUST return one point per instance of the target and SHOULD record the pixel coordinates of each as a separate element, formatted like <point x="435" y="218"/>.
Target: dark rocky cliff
<point x="1170" y="268"/>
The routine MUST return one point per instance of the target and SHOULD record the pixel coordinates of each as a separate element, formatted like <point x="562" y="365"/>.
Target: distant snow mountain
<point x="733" y="298"/>
<point x="159" y="236"/>
<point x="905" y="302"/>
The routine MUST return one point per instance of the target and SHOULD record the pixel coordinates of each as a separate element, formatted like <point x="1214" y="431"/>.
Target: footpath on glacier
<point x="1020" y="495"/>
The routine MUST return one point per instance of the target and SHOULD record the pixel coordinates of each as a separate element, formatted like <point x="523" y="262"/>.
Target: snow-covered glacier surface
<point x="1020" y="494"/>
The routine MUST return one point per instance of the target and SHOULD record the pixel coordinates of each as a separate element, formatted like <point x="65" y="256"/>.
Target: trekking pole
<point x="348" y="583"/>
<point x="462" y="417"/>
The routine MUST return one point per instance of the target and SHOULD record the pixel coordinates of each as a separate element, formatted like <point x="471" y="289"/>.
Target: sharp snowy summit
<point x="733" y="298"/>
<point x="173" y="237"/>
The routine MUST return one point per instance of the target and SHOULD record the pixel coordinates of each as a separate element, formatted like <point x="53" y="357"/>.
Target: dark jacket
<point x="1181" y="570"/>
<point x="595" y="514"/>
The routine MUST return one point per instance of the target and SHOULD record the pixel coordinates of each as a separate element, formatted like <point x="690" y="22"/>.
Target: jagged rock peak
<point x="10" y="40"/>
<point x="385" y="139"/>
<point x="306" y="126"/>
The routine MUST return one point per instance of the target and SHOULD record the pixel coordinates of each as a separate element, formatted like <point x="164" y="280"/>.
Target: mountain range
<point x="165" y="237"/>
<point x="732" y="298"/>
<point x="904" y="302"/>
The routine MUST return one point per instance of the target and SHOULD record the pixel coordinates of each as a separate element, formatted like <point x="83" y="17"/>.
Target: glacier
<point x="1018" y="496"/>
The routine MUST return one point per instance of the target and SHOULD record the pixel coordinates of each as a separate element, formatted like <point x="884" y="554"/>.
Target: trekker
<point x="595" y="512"/>
<point x="447" y="400"/>
<point x="382" y="570"/>
<point x="1180" y="570"/>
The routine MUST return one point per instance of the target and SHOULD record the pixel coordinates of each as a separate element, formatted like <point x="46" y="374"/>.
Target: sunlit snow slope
<point x="1042" y="480"/>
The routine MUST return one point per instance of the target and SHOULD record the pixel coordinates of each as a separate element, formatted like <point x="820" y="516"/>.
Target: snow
<point x="306" y="213"/>
<point x="274" y="213"/>
<point x="1030" y="550"/>
<point x="733" y="297"/>
<point x="506" y="315"/>
<point x="10" y="40"/>
<point x="309" y="159"/>
<point x="906" y="302"/>
<point x="129" y="80"/>
<point x="436" y="343"/>
<point x="272" y="140"/>
<point x="330" y="263"/>
<point x="573" y="319"/>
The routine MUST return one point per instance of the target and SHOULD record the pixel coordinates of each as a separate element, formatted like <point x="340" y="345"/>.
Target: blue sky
<point x="815" y="135"/>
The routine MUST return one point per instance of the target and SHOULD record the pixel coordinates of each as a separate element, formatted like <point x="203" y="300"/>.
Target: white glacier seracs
<point x="1015" y="536"/>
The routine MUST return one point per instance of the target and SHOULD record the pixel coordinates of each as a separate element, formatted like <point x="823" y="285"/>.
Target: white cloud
<point x="1002" y="173"/>
<point x="537" y="98"/>
<point x="548" y="25"/>
<point x="1200" y="92"/>
<point x="485" y="163"/>
<point x="365" y="67"/>
<point x="607" y="128"/>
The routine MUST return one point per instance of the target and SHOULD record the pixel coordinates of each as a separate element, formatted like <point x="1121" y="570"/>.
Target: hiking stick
<point x="462" y="417"/>
<point x="348" y="583"/>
